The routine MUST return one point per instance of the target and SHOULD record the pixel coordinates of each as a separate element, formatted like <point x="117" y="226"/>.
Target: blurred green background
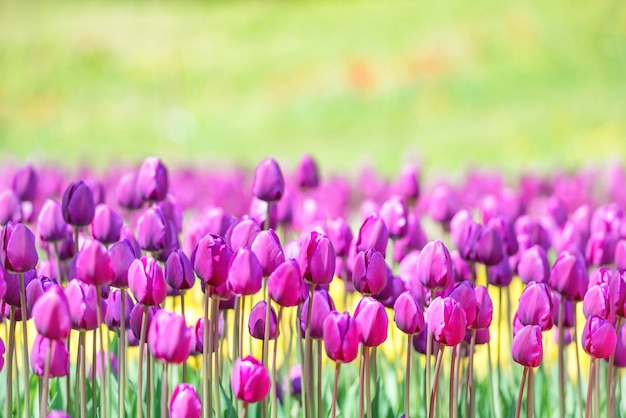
<point x="513" y="85"/>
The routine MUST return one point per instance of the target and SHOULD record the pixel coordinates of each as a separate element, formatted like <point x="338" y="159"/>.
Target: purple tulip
<point x="250" y="380"/>
<point x="434" y="266"/>
<point x="109" y="360"/>
<point x="369" y="274"/>
<point x="465" y="234"/>
<point x="500" y="274"/>
<point x="178" y="271"/>
<point x="463" y="270"/>
<point x="25" y="183"/>
<point x="266" y="246"/>
<point x="415" y="239"/>
<point x="268" y="184"/>
<point x="569" y="276"/>
<point x="137" y="315"/>
<point x="529" y="229"/>
<point x="211" y="260"/>
<point x="446" y="320"/>
<point x="242" y="233"/>
<point x="59" y="357"/>
<point x="128" y="196"/>
<point x="373" y="234"/>
<point x="245" y="273"/>
<point x="10" y="207"/>
<point x="394" y="213"/>
<point x="598" y="301"/>
<point x="392" y="290"/>
<point x="122" y="256"/>
<point x="317" y="259"/>
<point x="12" y="286"/>
<point x="568" y="311"/>
<point x="527" y="347"/>
<point x="57" y="414"/>
<point x="484" y="313"/>
<point x="184" y="402"/>
<point x="420" y="342"/>
<point x="505" y="229"/>
<point x="535" y="306"/>
<point x="285" y="284"/>
<point x="106" y="225"/>
<point x="113" y="317"/>
<point x="93" y="264"/>
<point x="51" y="226"/>
<point x="306" y="175"/>
<point x="443" y="205"/>
<point x="372" y="320"/>
<point x="617" y="286"/>
<point x="464" y="293"/>
<point x="169" y="338"/>
<point x="620" y="348"/>
<point x="153" y="233"/>
<point x="489" y="247"/>
<point x="37" y="287"/>
<point x="78" y="204"/>
<point x="146" y="281"/>
<point x="620" y="254"/>
<point x="256" y="321"/>
<point x="598" y="338"/>
<point x="601" y="248"/>
<point x="408" y="314"/>
<point x="534" y="266"/>
<point x="322" y="306"/>
<point x="340" y="235"/>
<point x="17" y="252"/>
<point x="341" y="337"/>
<point x="52" y="314"/>
<point x="152" y="180"/>
<point x="407" y="184"/>
<point x="82" y="299"/>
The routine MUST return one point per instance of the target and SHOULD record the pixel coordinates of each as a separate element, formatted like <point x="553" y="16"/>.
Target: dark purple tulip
<point x="463" y="271"/>
<point x="408" y="314"/>
<point x="25" y="183"/>
<point x="341" y="337"/>
<point x="568" y="311"/>
<point x="178" y="271"/>
<point x="268" y="184"/>
<point x="245" y="273"/>
<point x="527" y="346"/>
<point x="146" y="281"/>
<point x="372" y="320"/>
<point x="420" y="342"/>
<point x="407" y="184"/>
<point x="598" y="338"/>
<point x="443" y="204"/>
<point x="369" y="274"/>
<point x="10" y="207"/>
<point x="51" y="226"/>
<point x="169" y="338"/>
<point x="51" y="314"/>
<point x="620" y="254"/>
<point x="37" y="287"/>
<point x="122" y="256"/>
<point x="306" y="175"/>
<point x="340" y="235"/>
<point x="322" y="306"/>
<point x="83" y="300"/>
<point x="59" y="357"/>
<point x="599" y="301"/>
<point x="394" y="213"/>
<point x="211" y="260"/>
<point x="256" y="321"/>
<point x="484" y="313"/>
<point x="295" y="377"/>
<point x="153" y="233"/>
<point x="266" y="246"/>
<point x="507" y="233"/>
<point x="242" y="233"/>
<point x="152" y="180"/>
<point x="137" y="315"/>
<point x="464" y="293"/>
<point x="93" y="264"/>
<point x="285" y="284"/>
<point x="601" y="248"/>
<point x="535" y="306"/>
<point x="446" y="320"/>
<point x="500" y="274"/>
<point x="489" y="247"/>
<point x="12" y="286"/>
<point x="106" y="225"/>
<point x="78" y="204"/>
<point x="466" y="235"/>
<point x="199" y="336"/>
<point x="113" y="317"/>
<point x="434" y="266"/>
<point x="534" y="266"/>
<point x="127" y="194"/>
<point x="373" y="234"/>
<point x="482" y="336"/>
<point x="317" y="259"/>
<point x="67" y="248"/>
<point x="184" y="402"/>
<point x="17" y="252"/>
<point x="569" y="276"/>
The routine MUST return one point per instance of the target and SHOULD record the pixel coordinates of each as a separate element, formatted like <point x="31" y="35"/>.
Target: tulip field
<point x="187" y="293"/>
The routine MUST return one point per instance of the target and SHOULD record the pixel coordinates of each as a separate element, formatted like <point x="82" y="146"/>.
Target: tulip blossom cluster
<point x="231" y="293"/>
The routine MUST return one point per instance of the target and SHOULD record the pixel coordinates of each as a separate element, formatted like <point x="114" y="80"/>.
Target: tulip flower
<point x="369" y="273"/>
<point x="36" y="288"/>
<point x="317" y="259"/>
<point x="146" y="281"/>
<point x="505" y="229"/>
<point x="93" y="264"/>
<point x="340" y="236"/>
<point x="59" y="358"/>
<point x="114" y="316"/>
<point x="415" y="239"/>
<point x="443" y="204"/>
<point x="407" y="183"/>
<point x="242" y="233"/>
<point x="527" y="350"/>
<point x="169" y="337"/>
<point x="446" y="320"/>
<point x="599" y="301"/>
<point x="128" y="196"/>
<point x="178" y="271"/>
<point x="52" y="314"/>
<point x="106" y="224"/>
<point x="266" y="246"/>
<point x="392" y="290"/>
<point x="620" y="254"/>
<point x="184" y="402"/>
<point x="321" y="307"/>
<point x="152" y="180"/>
<point x="598" y="337"/>
<point x="78" y="205"/>
<point x="250" y="380"/>
<point x="211" y="260"/>
<point x="306" y="175"/>
<point x="464" y="293"/>
<point x="153" y="232"/>
<point x="285" y="284"/>
<point x="245" y="273"/>
<point x="534" y="266"/>
<point x="256" y="322"/>
<point x="535" y="306"/>
<point x="394" y="213"/>
<point x="268" y="184"/>
<point x="434" y="266"/>
<point x="489" y="247"/>
<point x="373" y="234"/>
<point x="17" y="252"/>
<point x="122" y="256"/>
<point x="51" y="226"/>
<point x="25" y="183"/>
<point x="10" y="207"/>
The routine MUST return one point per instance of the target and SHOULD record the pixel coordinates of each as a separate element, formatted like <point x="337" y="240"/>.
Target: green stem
<point x="122" y="356"/>
<point x="43" y="411"/>
<point x="407" y="379"/>
<point x="182" y="309"/>
<point x="362" y="380"/>
<point x="206" y="358"/>
<point x="83" y="373"/>
<point x="25" y="363"/>
<point x="274" y="394"/>
<point x="368" y="384"/>
<point x="308" y="375"/>
<point x="529" y="395"/>
<point x="149" y="384"/>
<point x="142" y="340"/>
<point x="103" y="391"/>
<point x="319" y="378"/>
<point x="433" y="394"/>
<point x="520" y="396"/>
<point x="470" y="373"/>
<point x="266" y="334"/>
<point x="560" y="358"/>
<point x="164" y="393"/>
<point x="335" y="390"/>
<point x="9" y="401"/>
<point x="94" y="386"/>
<point x="452" y="392"/>
<point x="592" y="370"/>
<point x="218" y="354"/>
<point x="429" y="343"/>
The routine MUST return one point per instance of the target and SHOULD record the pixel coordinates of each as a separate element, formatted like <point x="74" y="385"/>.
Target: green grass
<point x="511" y="84"/>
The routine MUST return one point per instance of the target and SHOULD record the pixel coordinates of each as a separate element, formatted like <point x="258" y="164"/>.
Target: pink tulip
<point x="446" y="320"/>
<point x="527" y="347"/>
<point x="250" y="380"/>
<point x="341" y="337"/>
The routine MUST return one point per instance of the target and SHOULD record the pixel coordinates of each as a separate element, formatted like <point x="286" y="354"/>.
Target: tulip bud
<point x="484" y="313"/>
<point x="184" y="402"/>
<point x="463" y="271"/>
<point x="434" y="266"/>
<point x="82" y="299"/>
<point x="178" y="271"/>
<point x="169" y="339"/>
<point x="505" y="228"/>
<point x="242" y="233"/>
<point x="250" y="380"/>
<point x="534" y="266"/>
<point x="601" y="248"/>
<point x="599" y="301"/>
<point x="268" y="184"/>
<point x="340" y="236"/>
<point x="535" y="306"/>
<point x="17" y="252"/>
<point x="114" y="315"/>
<point x="446" y="320"/>
<point x="443" y="204"/>
<point x="285" y="284"/>
<point x="51" y="226"/>
<point x="392" y="290"/>
<point x="369" y="274"/>
<point x="420" y="342"/>
<point x="58" y="414"/>
<point x="465" y="233"/>
<point x="322" y="306"/>
<point x="122" y="256"/>
<point x="78" y="204"/>
<point x="306" y="175"/>
<point x="266" y="246"/>
<point x="569" y="276"/>
<point x="10" y="207"/>
<point x="527" y="346"/>
<point x="341" y="337"/>
<point x="59" y="357"/>
<point x="500" y="274"/>
<point x="394" y="213"/>
<point x="93" y="264"/>
<point x="256" y="321"/>
<point x="408" y="314"/>
<point x="25" y="183"/>
<point x="128" y="196"/>
<point x="620" y="254"/>
<point x="12" y="287"/>
<point x="146" y="281"/>
<point x="36" y="288"/>
<point x="52" y="314"/>
<point x="211" y="260"/>
<point x="598" y="339"/>
<point x="489" y="247"/>
<point x="152" y="180"/>
<point x="317" y="259"/>
<point x="620" y="347"/>
<point x="464" y="293"/>
<point x="245" y="274"/>
<point x="371" y="317"/>
<point x="153" y="232"/>
<point x="137" y="316"/>
<point x="407" y="184"/>
<point x="373" y="234"/>
<point x="106" y="224"/>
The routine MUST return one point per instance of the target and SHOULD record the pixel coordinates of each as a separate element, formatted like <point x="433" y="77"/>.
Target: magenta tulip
<point x="169" y="338"/>
<point x="59" y="358"/>
<point x="322" y="306"/>
<point x="52" y="314"/>
<point x="51" y="226"/>
<point x="434" y="266"/>
<point x="317" y="259"/>
<point x="245" y="273"/>
<point x="527" y="346"/>
<point x="146" y="281"/>
<point x="82" y="299"/>
<point x="268" y="184"/>
<point x="17" y="252"/>
<point x="184" y="402"/>
<point x="93" y="264"/>
<point x="446" y="320"/>
<point x="250" y="380"/>
<point x="535" y="306"/>
<point x="285" y="284"/>
<point x="114" y="315"/>
<point x="408" y="314"/>
<point x="256" y="321"/>
<point x="369" y="273"/>
<point x="598" y="338"/>
<point x="569" y="276"/>
<point x="211" y="260"/>
<point x="106" y="225"/>
<point x="534" y="266"/>
<point x="373" y="234"/>
<point x="152" y="180"/>
<point x="266" y="246"/>
<point x="122" y="256"/>
<point x="178" y="271"/>
<point x="371" y="317"/>
<point x="341" y="337"/>
<point x="78" y="205"/>
<point x="306" y="175"/>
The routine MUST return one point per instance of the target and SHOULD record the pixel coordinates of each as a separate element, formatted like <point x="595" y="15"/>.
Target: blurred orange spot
<point x="433" y="61"/>
<point x="361" y="76"/>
